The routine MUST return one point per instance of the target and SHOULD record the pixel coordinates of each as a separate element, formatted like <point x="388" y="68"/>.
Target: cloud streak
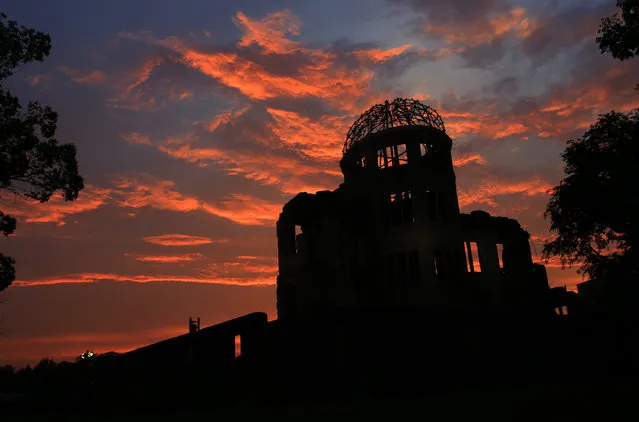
<point x="144" y="190"/>
<point x="83" y="77"/>
<point x="244" y="271"/>
<point x="167" y="259"/>
<point x="181" y="240"/>
<point x="154" y="278"/>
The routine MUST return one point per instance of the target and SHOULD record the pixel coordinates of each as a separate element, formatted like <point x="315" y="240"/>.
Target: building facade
<point x="391" y="236"/>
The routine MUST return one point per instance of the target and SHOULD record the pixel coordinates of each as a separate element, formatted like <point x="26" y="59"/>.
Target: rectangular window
<point x="473" y="261"/>
<point x="298" y="238"/>
<point x="413" y="266"/>
<point x="392" y="156"/>
<point x="399" y="208"/>
<point x="238" y="346"/>
<point x="561" y="310"/>
<point x="382" y="158"/>
<point x="500" y="255"/>
<point x="401" y="153"/>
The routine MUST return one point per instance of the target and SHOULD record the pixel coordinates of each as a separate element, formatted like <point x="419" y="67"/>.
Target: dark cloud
<point x="454" y="11"/>
<point x="558" y="32"/>
<point x="483" y="56"/>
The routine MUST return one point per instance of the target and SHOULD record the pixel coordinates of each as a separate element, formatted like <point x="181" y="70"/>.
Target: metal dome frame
<point x="399" y="112"/>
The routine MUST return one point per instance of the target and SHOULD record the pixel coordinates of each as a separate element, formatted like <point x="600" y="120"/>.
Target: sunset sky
<point x="196" y="121"/>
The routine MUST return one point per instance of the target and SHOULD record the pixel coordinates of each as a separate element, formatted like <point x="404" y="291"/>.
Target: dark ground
<point x="566" y="402"/>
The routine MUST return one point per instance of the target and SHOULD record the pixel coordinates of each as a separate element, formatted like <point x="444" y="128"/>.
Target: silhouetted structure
<point x="384" y="286"/>
<point x="194" y="325"/>
<point x="391" y="237"/>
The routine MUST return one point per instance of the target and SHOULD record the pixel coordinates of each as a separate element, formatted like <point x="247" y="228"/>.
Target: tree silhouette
<point x="32" y="163"/>
<point x="595" y="209"/>
<point x="619" y="35"/>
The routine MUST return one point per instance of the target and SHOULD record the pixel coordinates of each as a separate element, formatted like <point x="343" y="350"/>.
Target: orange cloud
<point x="486" y="123"/>
<point x="181" y="240"/>
<point x="482" y="32"/>
<point x="136" y="138"/>
<point x="246" y="210"/>
<point x="138" y="92"/>
<point x="245" y="266"/>
<point x="226" y="117"/>
<point x="468" y="159"/>
<point x="144" y="190"/>
<point x="321" y="138"/>
<point x="56" y="209"/>
<point x="562" y="111"/>
<point x="266" y="168"/>
<point x="270" y="32"/>
<point x="253" y="280"/>
<point x="322" y="79"/>
<point x="92" y="77"/>
<point x="486" y="191"/>
<point x="322" y="75"/>
<point x="167" y="259"/>
<point x="377" y="55"/>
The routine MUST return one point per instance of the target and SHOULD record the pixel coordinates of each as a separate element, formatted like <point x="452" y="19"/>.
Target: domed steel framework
<point x="400" y="112"/>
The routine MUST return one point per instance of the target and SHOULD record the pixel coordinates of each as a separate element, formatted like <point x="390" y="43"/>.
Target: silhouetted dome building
<point x="391" y="237"/>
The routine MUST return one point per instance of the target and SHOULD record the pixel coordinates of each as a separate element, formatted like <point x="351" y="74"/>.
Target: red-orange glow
<point x="323" y="79"/>
<point x="167" y="259"/>
<point x="561" y="113"/>
<point x="56" y="209"/>
<point x="246" y="210"/>
<point x="264" y="168"/>
<point x="320" y="138"/>
<point x="181" y="240"/>
<point x="468" y="159"/>
<point x="144" y="190"/>
<point x="270" y="32"/>
<point x="245" y="266"/>
<point x="253" y="279"/>
<point x="92" y="77"/>
<point x="486" y="191"/>
<point x="68" y="347"/>
<point x="377" y="55"/>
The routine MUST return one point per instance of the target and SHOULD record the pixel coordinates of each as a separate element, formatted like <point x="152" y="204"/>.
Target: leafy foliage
<point x="595" y="209"/>
<point x="619" y="34"/>
<point x="32" y="163"/>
